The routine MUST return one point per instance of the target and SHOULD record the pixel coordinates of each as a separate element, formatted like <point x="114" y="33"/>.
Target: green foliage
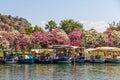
<point x="93" y="39"/>
<point x="69" y="24"/>
<point x="37" y="29"/>
<point x="50" y="25"/>
<point x="114" y="26"/>
<point x="28" y="30"/>
<point x="10" y="23"/>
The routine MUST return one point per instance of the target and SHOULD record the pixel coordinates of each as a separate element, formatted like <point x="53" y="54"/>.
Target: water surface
<point x="60" y="72"/>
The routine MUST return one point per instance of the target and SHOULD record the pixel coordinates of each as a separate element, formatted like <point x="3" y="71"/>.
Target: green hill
<point x="10" y="23"/>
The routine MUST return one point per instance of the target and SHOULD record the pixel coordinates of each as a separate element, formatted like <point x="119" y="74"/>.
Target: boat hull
<point x="63" y="60"/>
<point x="43" y="62"/>
<point x="97" y="61"/>
<point x="11" y="61"/>
<point x="26" y="61"/>
<point x="111" y="60"/>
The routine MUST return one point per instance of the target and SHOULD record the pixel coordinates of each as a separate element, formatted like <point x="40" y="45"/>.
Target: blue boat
<point x="39" y="60"/>
<point x="9" y="57"/>
<point x="25" y="59"/>
<point x="80" y="60"/>
<point x="62" y="54"/>
<point x="2" y="60"/>
<point x="63" y="60"/>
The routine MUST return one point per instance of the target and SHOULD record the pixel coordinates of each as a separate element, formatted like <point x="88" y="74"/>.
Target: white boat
<point x="112" y="60"/>
<point x="94" y="56"/>
<point x="11" y="61"/>
<point x="97" y="60"/>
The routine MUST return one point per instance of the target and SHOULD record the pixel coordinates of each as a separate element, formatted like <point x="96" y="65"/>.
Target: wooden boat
<point x="43" y="56"/>
<point x="63" y="54"/>
<point x="112" y="60"/>
<point x="9" y="57"/>
<point x="11" y="61"/>
<point x="2" y="60"/>
<point x="38" y="60"/>
<point x="25" y="59"/>
<point x="80" y="60"/>
<point x="113" y="56"/>
<point x="63" y="60"/>
<point x="95" y="55"/>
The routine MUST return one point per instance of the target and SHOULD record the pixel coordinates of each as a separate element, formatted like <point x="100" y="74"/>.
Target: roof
<point x="106" y="48"/>
<point x="40" y="50"/>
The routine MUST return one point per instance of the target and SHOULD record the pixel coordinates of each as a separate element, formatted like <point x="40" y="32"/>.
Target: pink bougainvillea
<point x="75" y="37"/>
<point x="109" y="37"/>
<point x="58" y="37"/>
<point x="21" y="41"/>
<point x="49" y="38"/>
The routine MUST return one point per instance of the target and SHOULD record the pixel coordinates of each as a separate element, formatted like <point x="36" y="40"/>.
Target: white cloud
<point x="100" y="26"/>
<point x="43" y="23"/>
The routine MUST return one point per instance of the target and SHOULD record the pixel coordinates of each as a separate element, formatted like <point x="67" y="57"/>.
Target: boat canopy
<point x="41" y="50"/>
<point x="106" y="48"/>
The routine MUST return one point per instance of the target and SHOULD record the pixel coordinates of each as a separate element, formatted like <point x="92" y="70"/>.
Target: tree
<point x="114" y="26"/>
<point x="51" y="25"/>
<point x="40" y="39"/>
<point x="75" y="37"/>
<point x="28" y="30"/>
<point x="8" y="36"/>
<point x="109" y="37"/>
<point x="116" y="38"/>
<point x="69" y="25"/>
<point x="22" y="41"/>
<point x="37" y="29"/>
<point x="93" y="39"/>
<point x="58" y="37"/>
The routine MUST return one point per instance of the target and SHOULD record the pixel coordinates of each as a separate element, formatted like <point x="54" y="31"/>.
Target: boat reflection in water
<point x="86" y="71"/>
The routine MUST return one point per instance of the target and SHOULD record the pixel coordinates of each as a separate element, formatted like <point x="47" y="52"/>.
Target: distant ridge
<point x="10" y="23"/>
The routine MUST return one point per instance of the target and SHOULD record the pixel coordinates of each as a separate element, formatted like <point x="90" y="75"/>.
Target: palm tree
<point x="51" y="25"/>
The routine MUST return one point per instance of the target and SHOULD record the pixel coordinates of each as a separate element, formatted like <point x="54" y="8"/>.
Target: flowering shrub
<point x="75" y="37"/>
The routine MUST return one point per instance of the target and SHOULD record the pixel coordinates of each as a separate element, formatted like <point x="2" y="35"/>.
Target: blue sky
<point x="92" y="13"/>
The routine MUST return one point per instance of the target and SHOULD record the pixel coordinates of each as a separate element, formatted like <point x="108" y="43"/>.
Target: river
<point x="60" y="71"/>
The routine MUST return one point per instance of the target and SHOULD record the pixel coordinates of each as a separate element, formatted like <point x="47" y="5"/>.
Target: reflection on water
<point x="60" y="72"/>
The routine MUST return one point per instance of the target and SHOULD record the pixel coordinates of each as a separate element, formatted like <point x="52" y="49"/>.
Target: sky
<point x="95" y="14"/>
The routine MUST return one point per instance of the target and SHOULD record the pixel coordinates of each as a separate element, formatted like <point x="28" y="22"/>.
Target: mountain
<point x="10" y="23"/>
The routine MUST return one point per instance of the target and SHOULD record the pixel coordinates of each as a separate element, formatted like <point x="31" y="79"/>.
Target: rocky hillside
<point x="10" y="23"/>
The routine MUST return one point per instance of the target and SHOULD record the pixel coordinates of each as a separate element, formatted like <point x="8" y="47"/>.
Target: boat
<point x="9" y="58"/>
<point x="113" y="56"/>
<point x="10" y="61"/>
<point x="63" y="54"/>
<point x="37" y="60"/>
<point x="2" y="60"/>
<point x="43" y="56"/>
<point x="80" y="60"/>
<point x="78" y="55"/>
<point x="63" y="60"/>
<point x="25" y="59"/>
<point x="95" y="55"/>
<point x="112" y="60"/>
